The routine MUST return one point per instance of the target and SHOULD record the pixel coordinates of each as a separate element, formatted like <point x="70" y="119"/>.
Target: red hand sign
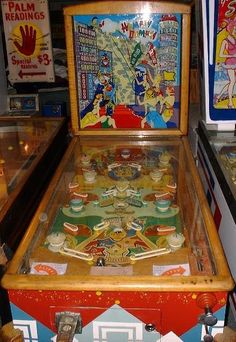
<point x="28" y="35"/>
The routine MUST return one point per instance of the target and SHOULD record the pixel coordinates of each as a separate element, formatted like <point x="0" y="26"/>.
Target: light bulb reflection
<point x="26" y="148"/>
<point x="146" y="12"/>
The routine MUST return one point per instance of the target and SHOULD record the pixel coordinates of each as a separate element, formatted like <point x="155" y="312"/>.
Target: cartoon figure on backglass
<point x="225" y="70"/>
<point x="128" y="70"/>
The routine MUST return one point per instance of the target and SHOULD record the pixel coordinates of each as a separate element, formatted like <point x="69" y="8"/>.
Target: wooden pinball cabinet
<point x="26" y="147"/>
<point x="30" y="150"/>
<point x="123" y="245"/>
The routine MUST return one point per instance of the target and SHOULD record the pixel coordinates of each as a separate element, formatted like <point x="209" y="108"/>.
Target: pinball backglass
<point x="130" y="67"/>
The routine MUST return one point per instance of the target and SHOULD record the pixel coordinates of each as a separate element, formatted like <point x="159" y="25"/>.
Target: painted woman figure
<point x="90" y="115"/>
<point x="228" y="51"/>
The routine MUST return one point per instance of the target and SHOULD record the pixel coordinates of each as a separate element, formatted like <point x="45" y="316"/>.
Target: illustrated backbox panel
<point x="130" y="67"/>
<point x="123" y="241"/>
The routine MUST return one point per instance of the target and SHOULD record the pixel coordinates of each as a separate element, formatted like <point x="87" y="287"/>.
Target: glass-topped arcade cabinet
<point x="216" y="130"/>
<point x="217" y="165"/>
<point x="123" y="242"/>
<point x="25" y="146"/>
<point x="30" y="150"/>
<point x="216" y="155"/>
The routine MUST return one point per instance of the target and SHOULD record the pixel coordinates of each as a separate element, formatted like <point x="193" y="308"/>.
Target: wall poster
<point x="218" y="36"/>
<point x="225" y="56"/>
<point x="28" y="41"/>
<point x="128" y="70"/>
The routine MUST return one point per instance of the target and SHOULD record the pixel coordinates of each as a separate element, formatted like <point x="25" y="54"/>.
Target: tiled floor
<point x="8" y="334"/>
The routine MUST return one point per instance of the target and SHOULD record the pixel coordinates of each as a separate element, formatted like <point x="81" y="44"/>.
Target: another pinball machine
<point x="26" y="146"/>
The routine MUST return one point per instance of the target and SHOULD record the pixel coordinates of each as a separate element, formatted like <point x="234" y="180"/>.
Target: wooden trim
<point x="185" y="74"/>
<point x="131" y="6"/>
<point x="118" y="283"/>
<point x="71" y="72"/>
<point x="128" y="132"/>
<point x="216" y="247"/>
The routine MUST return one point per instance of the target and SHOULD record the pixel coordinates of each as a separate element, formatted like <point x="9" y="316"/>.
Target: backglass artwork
<point x="128" y="69"/>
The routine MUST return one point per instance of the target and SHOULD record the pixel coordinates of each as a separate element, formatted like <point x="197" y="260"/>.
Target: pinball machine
<point x="216" y="129"/>
<point x="217" y="168"/>
<point x="25" y="146"/>
<point x="123" y="243"/>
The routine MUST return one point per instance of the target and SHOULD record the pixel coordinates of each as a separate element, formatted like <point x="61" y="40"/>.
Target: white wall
<point x="3" y="80"/>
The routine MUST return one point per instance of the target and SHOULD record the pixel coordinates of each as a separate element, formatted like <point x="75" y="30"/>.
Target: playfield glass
<point x="123" y="229"/>
<point x="223" y="148"/>
<point x="131" y="208"/>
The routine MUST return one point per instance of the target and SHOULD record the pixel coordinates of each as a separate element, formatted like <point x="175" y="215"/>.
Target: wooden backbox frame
<point x="129" y="7"/>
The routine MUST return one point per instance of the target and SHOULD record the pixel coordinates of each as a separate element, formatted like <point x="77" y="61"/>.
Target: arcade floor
<point x="8" y="334"/>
